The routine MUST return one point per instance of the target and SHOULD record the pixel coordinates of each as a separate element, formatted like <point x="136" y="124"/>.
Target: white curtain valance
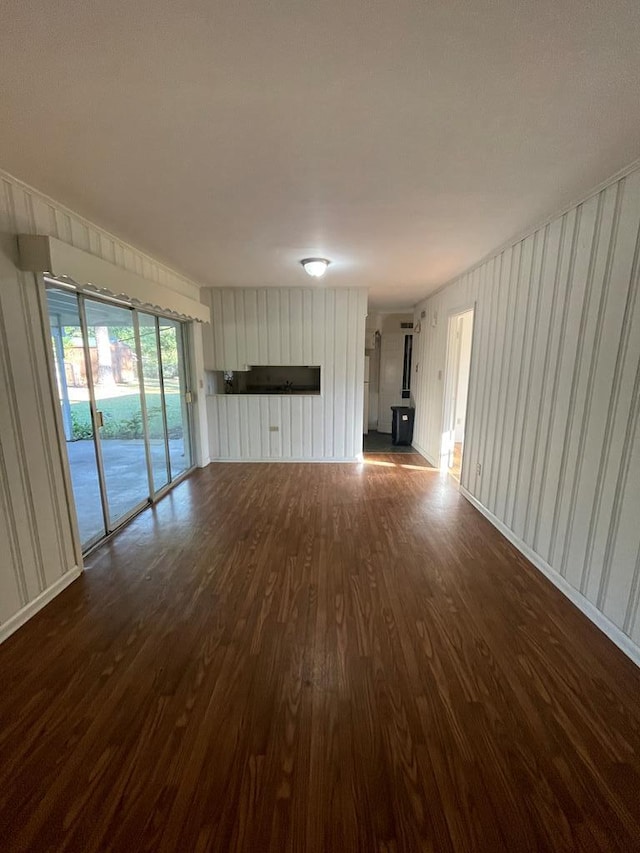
<point x="49" y="255"/>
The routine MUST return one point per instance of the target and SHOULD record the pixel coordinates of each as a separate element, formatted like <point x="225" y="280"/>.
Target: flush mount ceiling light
<point x="315" y="267"/>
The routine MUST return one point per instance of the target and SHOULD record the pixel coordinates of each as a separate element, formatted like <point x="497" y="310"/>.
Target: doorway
<point x="395" y="375"/>
<point x="459" y="340"/>
<point x="123" y="389"/>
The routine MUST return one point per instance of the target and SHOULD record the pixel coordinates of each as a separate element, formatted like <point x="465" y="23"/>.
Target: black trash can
<point x="402" y="424"/>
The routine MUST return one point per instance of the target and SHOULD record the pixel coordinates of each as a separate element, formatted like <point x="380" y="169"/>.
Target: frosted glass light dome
<point x="315" y="267"/>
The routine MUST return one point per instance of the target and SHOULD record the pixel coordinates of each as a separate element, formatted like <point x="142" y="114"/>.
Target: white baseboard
<point x="18" y="619"/>
<point x="624" y="642"/>
<point x="277" y="460"/>
<point x="424" y="453"/>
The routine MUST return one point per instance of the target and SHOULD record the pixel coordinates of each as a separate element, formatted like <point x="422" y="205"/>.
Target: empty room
<point x="319" y="426"/>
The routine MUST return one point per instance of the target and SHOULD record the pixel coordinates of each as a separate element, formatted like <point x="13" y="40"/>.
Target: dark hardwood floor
<point x="316" y="658"/>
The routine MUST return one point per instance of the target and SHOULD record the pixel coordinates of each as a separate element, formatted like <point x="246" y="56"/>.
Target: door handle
<point x="99" y="419"/>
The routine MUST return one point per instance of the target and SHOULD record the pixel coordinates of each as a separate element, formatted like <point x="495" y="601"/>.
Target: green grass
<point x="122" y="416"/>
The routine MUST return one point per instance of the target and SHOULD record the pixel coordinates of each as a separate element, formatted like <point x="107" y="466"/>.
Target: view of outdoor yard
<point x="102" y="355"/>
<point x="121" y="412"/>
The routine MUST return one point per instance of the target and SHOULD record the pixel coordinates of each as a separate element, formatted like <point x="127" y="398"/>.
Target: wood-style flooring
<point x="310" y="658"/>
<point x="455" y="469"/>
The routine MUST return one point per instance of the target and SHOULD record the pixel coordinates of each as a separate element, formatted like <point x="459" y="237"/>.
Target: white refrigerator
<point x="365" y="418"/>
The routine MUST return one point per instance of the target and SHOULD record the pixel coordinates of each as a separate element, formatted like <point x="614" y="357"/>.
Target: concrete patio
<point x="125" y="474"/>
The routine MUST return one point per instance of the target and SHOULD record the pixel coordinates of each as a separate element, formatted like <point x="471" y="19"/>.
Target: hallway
<point x="308" y="657"/>
<point x="380" y="442"/>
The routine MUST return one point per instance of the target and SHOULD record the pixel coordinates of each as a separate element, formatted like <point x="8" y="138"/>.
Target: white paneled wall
<point x="36" y="534"/>
<point x="39" y="554"/>
<point x="552" y="449"/>
<point x="31" y="212"/>
<point x="275" y="326"/>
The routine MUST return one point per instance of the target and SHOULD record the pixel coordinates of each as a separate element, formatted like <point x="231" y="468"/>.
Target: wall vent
<point x="406" y="325"/>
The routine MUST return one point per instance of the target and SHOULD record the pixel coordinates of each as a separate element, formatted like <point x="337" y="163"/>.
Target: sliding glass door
<point x="122" y="378"/>
<point x="164" y="366"/>
<point x="68" y="343"/>
<point x="118" y="408"/>
<point x="156" y="421"/>
<point x="174" y="382"/>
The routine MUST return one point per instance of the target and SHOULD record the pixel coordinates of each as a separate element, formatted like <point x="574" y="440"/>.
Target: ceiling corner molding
<point x="43" y="254"/>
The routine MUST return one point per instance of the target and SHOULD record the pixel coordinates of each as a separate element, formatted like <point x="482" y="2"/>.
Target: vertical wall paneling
<point x="38" y="532"/>
<point x="612" y="379"/>
<point x="619" y="579"/>
<point x="46" y="485"/>
<point x="285" y="330"/>
<point x="274" y="340"/>
<point x="530" y="448"/>
<point x="240" y="321"/>
<point x="557" y="297"/>
<point x="322" y="327"/>
<point x="495" y="412"/>
<point x="328" y="381"/>
<point x="468" y="471"/>
<point x="296" y="351"/>
<point x="251" y="411"/>
<point x="632" y="617"/>
<point x="508" y="299"/>
<point x="206" y="342"/>
<point x="197" y="361"/>
<point x="357" y="323"/>
<point x="554" y="401"/>
<point x="522" y="400"/>
<point x="521" y="486"/>
<point x="512" y="385"/>
<point x="13" y="583"/>
<point x="340" y="376"/>
<point x="251" y="325"/>
<point x="493" y="278"/>
<point x="571" y="566"/>
<point x="228" y="317"/>
<point x="561" y="451"/>
<point x="473" y="374"/>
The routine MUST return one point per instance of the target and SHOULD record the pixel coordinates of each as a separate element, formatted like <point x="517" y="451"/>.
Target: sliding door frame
<point x="452" y="365"/>
<point x="94" y="419"/>
<point x="45" y="328"/>
<point x="143" y="404"/>
<point x="44" y="283"/>
<point x="163" y="401"/>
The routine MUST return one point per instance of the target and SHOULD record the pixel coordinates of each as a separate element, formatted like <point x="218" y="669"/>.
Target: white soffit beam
<point x="39" y="253"/>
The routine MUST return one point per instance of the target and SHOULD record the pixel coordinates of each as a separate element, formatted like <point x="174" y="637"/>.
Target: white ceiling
<point x="403" y="140"/>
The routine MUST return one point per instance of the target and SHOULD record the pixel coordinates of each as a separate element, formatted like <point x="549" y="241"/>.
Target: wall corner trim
<point x="18" y="619"/>
<point x="424" y="453"/>
<point x="607" y="627"/>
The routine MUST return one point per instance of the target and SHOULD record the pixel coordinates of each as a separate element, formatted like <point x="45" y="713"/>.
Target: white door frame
<point x="452" y="367"/>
